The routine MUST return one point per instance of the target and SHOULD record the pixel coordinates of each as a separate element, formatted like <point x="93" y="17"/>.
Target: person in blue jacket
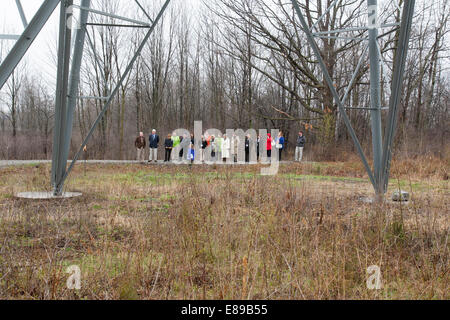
<point x="280" y="144"/>
<point x="192" y="153"/>
<point x="153" y="141"/>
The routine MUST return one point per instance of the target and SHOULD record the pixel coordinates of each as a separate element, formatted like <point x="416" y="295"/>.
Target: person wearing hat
<point x="153" y="141"/>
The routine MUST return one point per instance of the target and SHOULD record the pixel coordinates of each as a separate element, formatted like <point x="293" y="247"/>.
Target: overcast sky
<point x="38" y="54"/>
<point x="40" y="57"/>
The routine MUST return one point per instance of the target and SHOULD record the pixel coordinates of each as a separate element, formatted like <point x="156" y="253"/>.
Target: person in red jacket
<point x="269" y="145"/>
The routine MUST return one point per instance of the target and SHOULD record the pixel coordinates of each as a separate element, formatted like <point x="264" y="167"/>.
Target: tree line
<point x="238" y="64"/>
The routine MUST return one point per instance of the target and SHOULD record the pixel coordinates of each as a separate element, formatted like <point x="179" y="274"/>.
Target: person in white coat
<point x="226" y="146"/>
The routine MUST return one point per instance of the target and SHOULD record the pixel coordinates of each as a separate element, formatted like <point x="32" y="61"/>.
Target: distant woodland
<point x="238" y="64"/>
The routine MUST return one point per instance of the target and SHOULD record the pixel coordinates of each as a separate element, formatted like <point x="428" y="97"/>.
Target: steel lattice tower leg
<point x="375" y="94"/>
<point x="66" y="90"/>
<point x="382" y="150"/>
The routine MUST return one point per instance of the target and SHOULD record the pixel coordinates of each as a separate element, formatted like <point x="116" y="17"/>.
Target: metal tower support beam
<point x="399" y="69"/>
<point x="143" y="10"/>
<point x="114" y="16"/>
<point x="115" y="91"/>
<point x="26" y="39"/>
<point x="22" y="13"/>
<point x="388" y="25"/>
<point x="354" y="76"/>
<point x="9" y="36"/>
<point x="59" y="131"/>
<point x="375" y="92"/>
<point x="323" y="15"/>
<point x="74" y="81"/>
<point x="329" y="81"/>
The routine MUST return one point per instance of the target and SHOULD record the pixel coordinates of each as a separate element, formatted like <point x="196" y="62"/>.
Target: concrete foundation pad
<point x="385" y="200"/>
<point x="47" y="195"/>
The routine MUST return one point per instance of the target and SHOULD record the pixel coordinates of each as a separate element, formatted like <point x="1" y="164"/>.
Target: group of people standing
<point x="221" y="147"/>
<point x="140" y="144"/>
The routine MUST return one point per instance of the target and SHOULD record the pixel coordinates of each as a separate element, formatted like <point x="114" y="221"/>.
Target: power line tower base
<point x="47" y="195"/>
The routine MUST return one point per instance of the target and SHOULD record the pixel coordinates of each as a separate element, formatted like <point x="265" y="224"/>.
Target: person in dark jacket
<point x="180" y="154"/>
<point x="153" y="141"/>
<point x="139" y="143"/>
<point x="247" y="148"/>
<point x="168" y="145"/>
<point x="300" y="144"/>
<point x="212" y="141"/>
<point x="257" y="148"/>
<point x="202" y="151"/>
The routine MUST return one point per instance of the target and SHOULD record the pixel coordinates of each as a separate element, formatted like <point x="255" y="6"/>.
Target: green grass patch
<point x="323" y="178"/>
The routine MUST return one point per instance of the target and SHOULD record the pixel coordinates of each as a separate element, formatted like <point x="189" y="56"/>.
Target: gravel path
<point x="9" y="163"/>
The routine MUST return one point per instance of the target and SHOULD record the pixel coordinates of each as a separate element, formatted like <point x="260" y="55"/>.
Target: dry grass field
<point x="226" y="232"/>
